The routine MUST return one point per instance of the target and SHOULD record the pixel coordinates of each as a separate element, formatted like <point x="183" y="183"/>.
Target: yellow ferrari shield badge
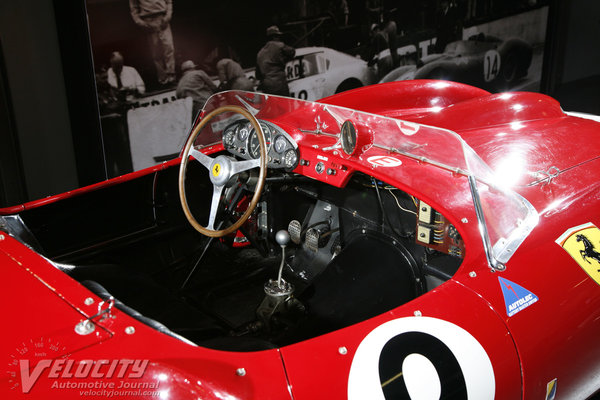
<point x="583" y="244"/>
<point x="216" y="170"/>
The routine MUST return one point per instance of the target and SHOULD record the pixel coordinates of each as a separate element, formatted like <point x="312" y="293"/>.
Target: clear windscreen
<point x="508" y="217"/>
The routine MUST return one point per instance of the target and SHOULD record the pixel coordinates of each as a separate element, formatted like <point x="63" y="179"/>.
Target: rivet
<point x="85" y="327"/>
<point x="240" y="372"/>
<point x="472" y="274"/>
<point x="418" y="313"/>
<point x="343" y="350"/>
<point x="88" y="301"/>
<point x="1" y="237"/>
<point x="464" y="220"/>
<point x="130" y="330"/>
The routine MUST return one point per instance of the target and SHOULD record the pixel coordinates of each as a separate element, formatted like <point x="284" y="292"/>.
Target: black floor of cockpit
<point x="228" y="284"/>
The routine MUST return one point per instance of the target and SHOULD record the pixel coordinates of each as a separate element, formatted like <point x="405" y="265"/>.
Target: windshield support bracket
<point x="493" y="263"/>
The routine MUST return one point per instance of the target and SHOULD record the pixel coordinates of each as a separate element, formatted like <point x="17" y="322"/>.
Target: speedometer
<point x="254" y="144"/>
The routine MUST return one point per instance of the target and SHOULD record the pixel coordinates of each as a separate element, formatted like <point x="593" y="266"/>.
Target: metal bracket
<point x="86" y="326"/>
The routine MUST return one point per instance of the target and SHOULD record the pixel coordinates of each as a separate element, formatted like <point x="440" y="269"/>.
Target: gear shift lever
<point x="282" y="238"/>
<point x="277" y="292"/>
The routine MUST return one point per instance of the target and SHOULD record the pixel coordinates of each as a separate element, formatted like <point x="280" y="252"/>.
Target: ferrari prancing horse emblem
<point x="216" y="170"/>
<point x="579" y="243"/>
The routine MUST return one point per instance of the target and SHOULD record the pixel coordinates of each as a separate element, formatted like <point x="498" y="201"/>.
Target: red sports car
<point x="417" y="240"/>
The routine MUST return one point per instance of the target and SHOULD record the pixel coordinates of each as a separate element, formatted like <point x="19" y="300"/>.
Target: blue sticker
<point x="516" y="297"/>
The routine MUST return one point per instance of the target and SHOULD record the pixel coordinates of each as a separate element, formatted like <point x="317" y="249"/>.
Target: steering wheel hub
<point x="220" y="170"/>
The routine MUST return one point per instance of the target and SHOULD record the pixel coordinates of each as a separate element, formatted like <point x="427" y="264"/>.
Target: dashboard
<point x="241" y="139"/>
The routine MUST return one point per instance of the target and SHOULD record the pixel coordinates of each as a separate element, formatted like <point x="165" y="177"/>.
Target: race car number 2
<point x="420" y="358"/>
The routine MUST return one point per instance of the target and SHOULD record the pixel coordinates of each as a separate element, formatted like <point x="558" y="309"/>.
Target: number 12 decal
<point x="420" y="358"/>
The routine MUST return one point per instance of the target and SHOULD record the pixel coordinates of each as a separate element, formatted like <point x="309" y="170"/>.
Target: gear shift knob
<point x="282" y="237"/>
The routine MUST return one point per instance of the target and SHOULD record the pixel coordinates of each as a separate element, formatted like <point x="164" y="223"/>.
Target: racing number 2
<point x="491" y="65"/>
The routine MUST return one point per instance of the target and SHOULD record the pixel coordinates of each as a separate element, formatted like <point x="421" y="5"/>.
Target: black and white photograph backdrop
<point x="157" y="61"/>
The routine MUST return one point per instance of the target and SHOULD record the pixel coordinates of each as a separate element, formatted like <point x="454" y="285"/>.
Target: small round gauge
<point x="254" y="144"/>
<point x="229" y="138"/>
<point x="243" y="132"/>
<point x="348" y="136"/>
<point x="290" y="159"/>
<point x="280" y="144"/>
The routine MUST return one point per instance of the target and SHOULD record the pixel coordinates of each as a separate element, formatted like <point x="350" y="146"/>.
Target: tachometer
<point x="254" y="144"/>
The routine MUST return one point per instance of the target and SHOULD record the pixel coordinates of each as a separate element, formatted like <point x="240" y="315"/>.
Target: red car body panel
<point x="554" y="338"/>
<point x="186" y="372"/>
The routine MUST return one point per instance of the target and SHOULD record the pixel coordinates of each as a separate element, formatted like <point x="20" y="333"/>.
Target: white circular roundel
<point x="420" y="358"/>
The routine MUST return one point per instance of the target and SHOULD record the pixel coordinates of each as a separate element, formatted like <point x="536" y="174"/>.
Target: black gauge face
<point x="254" y="144"/>
<point x="280" y="144"/>
<point x="229" y="138"/>
<point x="348" y="136"/>
<point x="290" y="159"/>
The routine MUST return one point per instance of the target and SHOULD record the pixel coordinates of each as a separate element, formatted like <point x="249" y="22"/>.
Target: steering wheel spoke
<point x="241" y="166"/>
<point x="202" y="158"/>
<point x="214" y="206"/>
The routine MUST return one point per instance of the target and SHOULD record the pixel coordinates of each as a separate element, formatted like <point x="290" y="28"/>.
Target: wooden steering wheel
<point x="220" y="171"/>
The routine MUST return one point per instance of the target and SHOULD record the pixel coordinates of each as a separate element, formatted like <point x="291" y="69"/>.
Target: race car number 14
<point x="491" y="65"/>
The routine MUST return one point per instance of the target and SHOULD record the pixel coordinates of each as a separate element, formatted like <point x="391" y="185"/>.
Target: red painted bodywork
<point x="553" y="338"/>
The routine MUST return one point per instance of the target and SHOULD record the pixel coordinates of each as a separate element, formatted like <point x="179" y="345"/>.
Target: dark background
<point x="50" y="139"/>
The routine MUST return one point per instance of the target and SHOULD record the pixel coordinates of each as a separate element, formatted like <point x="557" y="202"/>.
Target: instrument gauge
<point x="229" y="138"/>
<point x="290" y="159"/>
<point x="254" y="144"/>
<point x="280" y="144"/>
<point x="243" y="133"/>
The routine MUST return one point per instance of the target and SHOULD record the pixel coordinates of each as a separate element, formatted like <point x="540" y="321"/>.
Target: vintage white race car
<point x="318" y="72"/>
